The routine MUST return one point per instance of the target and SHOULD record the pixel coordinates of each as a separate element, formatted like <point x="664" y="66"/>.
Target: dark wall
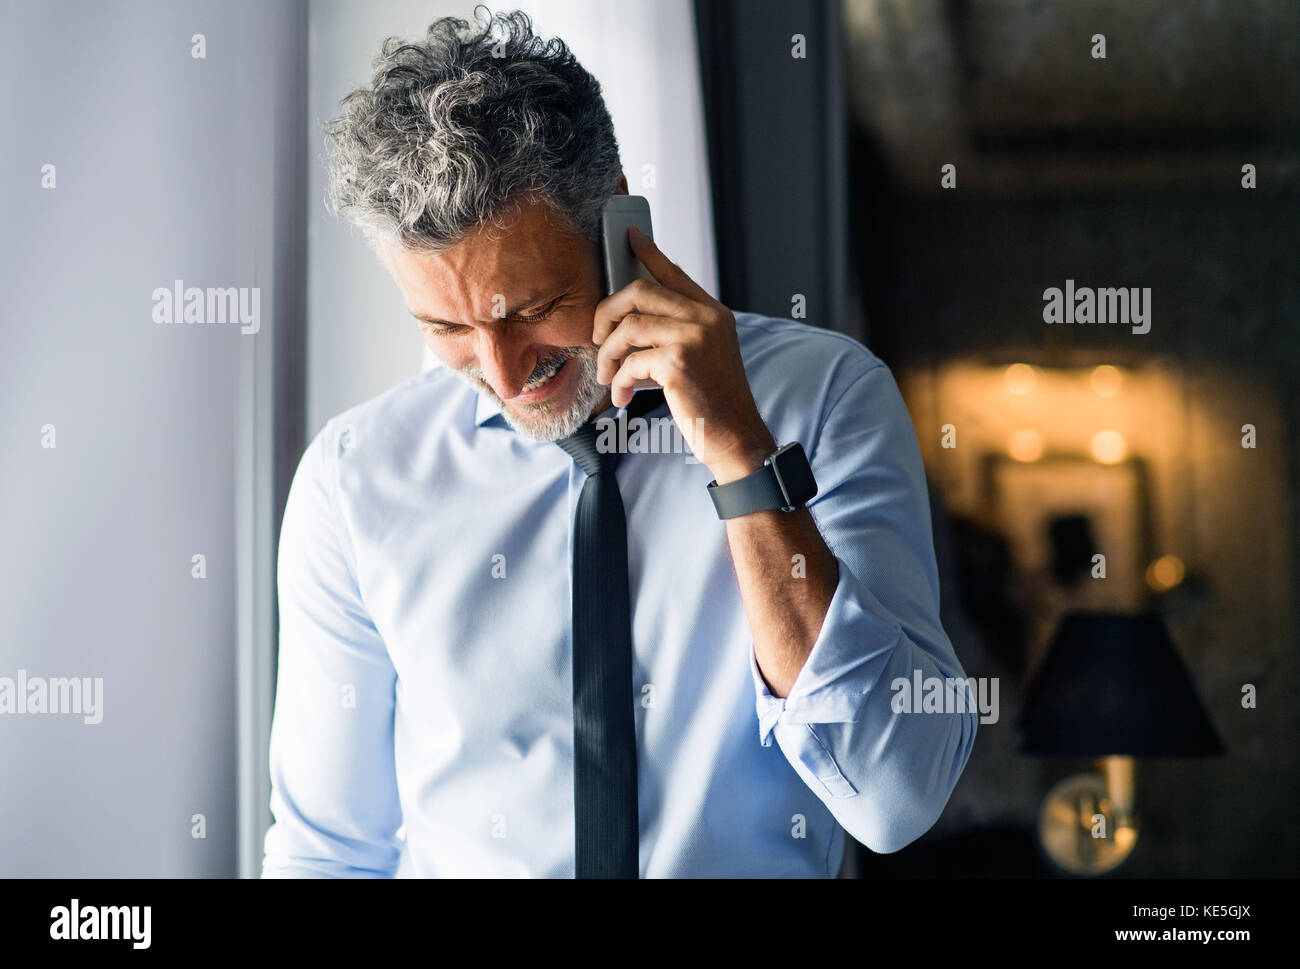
<point x="776" y="134"/>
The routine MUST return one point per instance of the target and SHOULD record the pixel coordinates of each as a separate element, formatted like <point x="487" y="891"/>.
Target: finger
<point x="641" y="369"/>
<point x="663" y="269"/>
<point x="639" y="296"/>
<point x="636" y="331"/>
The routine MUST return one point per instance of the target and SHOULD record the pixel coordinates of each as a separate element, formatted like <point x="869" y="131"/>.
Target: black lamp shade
<point x="1114" y="684"/>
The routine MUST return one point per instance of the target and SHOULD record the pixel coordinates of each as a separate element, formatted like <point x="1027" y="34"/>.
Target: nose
<point x="506" y="363"/>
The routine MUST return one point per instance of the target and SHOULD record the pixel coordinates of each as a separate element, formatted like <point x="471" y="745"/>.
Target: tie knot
<point x="581" y="445"/>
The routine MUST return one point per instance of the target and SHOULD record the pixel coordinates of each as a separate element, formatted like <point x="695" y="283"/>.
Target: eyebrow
<point x="543" y="299"/>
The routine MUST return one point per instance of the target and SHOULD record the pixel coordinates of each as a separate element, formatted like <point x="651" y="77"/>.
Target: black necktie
<point x="605" y="830"/>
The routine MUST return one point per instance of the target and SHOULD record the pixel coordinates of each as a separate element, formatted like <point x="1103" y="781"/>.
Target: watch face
<point x="794" y="474"/>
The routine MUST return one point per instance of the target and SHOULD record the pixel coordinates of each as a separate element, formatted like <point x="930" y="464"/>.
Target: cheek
<point x="454" y="354"/>
<point x="569" y="328"/>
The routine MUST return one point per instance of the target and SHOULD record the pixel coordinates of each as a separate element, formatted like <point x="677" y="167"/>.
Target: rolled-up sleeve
<point x="333" y="782"/>
<point x="884" y="775"/>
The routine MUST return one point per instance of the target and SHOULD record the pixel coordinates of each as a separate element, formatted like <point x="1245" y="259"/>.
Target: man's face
<point x="511" y="311"/>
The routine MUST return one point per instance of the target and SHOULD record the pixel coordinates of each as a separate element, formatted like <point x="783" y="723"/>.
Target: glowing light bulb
<point x="1165" y="572"/>
<point x="1025" y="445"/>
<point x="1106" y="380"/>
<point x="1108" y="447"/>
<point x="1020" y="379"/>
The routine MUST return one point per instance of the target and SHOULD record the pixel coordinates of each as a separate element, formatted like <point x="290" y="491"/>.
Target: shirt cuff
<point x="838" y="673"/>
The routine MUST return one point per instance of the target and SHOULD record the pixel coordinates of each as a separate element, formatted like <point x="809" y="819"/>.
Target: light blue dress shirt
<point x="423" y="716"/>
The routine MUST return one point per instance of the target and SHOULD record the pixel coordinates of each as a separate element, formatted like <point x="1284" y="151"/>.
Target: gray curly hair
<point x="455" y="133"/>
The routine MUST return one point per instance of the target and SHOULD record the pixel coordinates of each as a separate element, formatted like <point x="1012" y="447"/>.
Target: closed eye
<point x="540" y="315"/>
<point x="443" y="329"/>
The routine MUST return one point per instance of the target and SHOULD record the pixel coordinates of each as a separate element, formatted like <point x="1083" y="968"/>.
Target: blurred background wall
<point x="1123" y="170"/>
<point x="164" y="169"/>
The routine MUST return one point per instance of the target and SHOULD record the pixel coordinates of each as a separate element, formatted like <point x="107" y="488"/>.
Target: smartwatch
<point x="785" y="482"/>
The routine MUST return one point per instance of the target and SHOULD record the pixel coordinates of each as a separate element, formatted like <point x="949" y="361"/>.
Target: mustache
<point x="555" y="359"/>
<point x="544" y="365"/>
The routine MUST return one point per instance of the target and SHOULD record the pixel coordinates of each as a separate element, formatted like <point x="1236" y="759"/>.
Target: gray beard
<point x="542" y="421"/>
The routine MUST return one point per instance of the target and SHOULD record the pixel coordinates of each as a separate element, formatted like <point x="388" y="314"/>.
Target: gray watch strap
<point x="759" y="491"/>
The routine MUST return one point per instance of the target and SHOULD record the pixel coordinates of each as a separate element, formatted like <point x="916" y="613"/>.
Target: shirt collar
<point x="485" y="409"/>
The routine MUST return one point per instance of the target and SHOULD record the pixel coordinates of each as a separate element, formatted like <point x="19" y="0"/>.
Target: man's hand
<point x="675" y="334"/>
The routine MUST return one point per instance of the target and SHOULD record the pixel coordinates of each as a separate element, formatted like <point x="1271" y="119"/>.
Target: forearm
<point x="787" y="577"/>
<point x="861" y="618"/>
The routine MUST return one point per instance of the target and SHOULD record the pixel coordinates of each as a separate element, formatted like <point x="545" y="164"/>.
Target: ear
<point x="622" y="185"/>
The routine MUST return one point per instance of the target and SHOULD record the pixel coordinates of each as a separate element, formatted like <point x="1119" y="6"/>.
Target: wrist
<point x="742" y="461"/>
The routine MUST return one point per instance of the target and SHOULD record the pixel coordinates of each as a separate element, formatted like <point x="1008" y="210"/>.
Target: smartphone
<point x="620" y="263"/>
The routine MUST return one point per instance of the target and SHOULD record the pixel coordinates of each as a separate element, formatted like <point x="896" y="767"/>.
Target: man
<point x="500" y="656"/>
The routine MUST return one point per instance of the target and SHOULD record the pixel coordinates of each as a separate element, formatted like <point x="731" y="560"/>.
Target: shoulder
<point x="390" y="426"/>
<point x="411" y="405"/>
<point x="359" y="462"/>
<point x="785" y="357"/>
